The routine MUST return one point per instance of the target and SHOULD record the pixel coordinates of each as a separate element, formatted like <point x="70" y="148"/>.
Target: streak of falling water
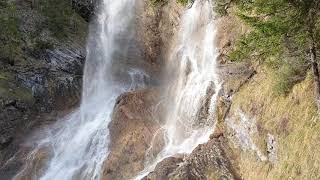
<point x="190" y="119"/>
<point x="76" y="146"/>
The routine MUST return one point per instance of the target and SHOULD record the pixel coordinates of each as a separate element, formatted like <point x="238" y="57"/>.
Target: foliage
<point x="60" y="17"/>
<point x="40" y="46"/>
<point x="158" y="2"/>
<point x="280" y="30"/>
<point x="183" y="2"/>
<point x="161" y="2"/>
<point x="43" y="45"/>
<point x="19" y="93"/>
<point x="221" y="6"/>
<point x="289" y="74"/>
<point x="10" y="36"/>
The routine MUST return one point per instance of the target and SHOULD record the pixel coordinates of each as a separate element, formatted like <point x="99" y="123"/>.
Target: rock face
<point x="158" y="25"/>
<point x="208" y="161"/>
<point x="133" y="129"/>
<point x="212" y="160"/>
<point x="133" y="126"/>
<point x="85" y="8"/>
<point x="45" y="75"/>
<point x="164" y="168"/>
<point x="215" y="159"/>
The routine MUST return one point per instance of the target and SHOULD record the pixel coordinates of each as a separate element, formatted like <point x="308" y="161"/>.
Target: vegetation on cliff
<point x="161" y="2"/>
<point x="29" y="33"/>
<point x="10" y="36"/>
<point x="56" y="17"/>
<point x="41" y="59"/>
<point x="61" y="17"/>
<point x="283" y="40"/>
<point x="285" y="35"/>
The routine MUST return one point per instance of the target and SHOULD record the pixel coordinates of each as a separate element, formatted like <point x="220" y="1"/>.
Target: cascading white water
<point x="77" y="145"/>
<point x="194" y="91"/>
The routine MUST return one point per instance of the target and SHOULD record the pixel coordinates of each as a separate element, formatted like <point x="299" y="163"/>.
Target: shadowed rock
<point x="212" y="160"/>
<point x="85" y="8"/>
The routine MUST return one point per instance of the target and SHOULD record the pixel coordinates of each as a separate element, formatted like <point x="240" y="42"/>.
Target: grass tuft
<point x="292" y="118"/>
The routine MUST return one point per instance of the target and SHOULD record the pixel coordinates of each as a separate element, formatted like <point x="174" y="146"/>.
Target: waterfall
<point x="194" y="90"/>
<point x="76" y="146"/>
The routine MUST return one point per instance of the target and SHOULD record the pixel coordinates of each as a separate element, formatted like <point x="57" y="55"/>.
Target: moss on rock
<point x="9" y="89"/>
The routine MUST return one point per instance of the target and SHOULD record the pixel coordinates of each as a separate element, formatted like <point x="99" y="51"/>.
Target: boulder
<point x="132" y="129"/>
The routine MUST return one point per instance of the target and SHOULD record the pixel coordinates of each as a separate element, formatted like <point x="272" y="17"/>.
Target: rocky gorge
<point x="255" y="135"/>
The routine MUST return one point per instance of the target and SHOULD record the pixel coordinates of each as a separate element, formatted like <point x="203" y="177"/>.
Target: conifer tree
<point x="284" y="33"/>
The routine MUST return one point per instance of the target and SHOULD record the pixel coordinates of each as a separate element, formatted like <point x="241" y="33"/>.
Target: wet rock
<point x="157" y="27"/>
<point x="46" y="77"/>
<point x="165" y="168"/>
<point x="244" y="129"/>
<point x="132" y="129"/>
<point x="35" y="167"/>
<point x="11" y="113"/>
<point x="203" y="113"/>
<point x="212" y="160"/>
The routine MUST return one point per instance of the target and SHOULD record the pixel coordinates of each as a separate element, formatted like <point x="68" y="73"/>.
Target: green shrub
<point x="40" y="46"/>
<point x="10" y="37"/>
<point x="221" y="6"/>
<point x="61" y="19"/>
<point x="256" y="46"/>
<point x="183" y="2"/>
<point x="287" y="76"/>
<point x="158" y="2"/>
<point x="280" y="35"/>
<point x="161" y="2"/>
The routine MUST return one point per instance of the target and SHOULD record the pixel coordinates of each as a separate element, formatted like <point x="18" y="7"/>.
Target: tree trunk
<point x="315" y="71"/>
<point x="312" y="50"/>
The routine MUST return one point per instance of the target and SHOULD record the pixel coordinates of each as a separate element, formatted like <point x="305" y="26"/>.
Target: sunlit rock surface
<point x="135" y="121"/>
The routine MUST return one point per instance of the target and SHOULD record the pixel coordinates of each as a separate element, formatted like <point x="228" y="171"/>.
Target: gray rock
<point x="42" y="79"/>
<point x="272" y="149"/>
<point x="211" y="160"/>
<point x="85" y="8"/>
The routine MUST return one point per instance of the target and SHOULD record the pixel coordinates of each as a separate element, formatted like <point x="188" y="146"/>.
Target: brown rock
<point x="229" y="30"/>
<point x="36" y="163"/>
<point x="132" y="130"/>
<point x="212" y="160"/>
<point x="157" y="27"/>
<point x="165" y="168"/>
